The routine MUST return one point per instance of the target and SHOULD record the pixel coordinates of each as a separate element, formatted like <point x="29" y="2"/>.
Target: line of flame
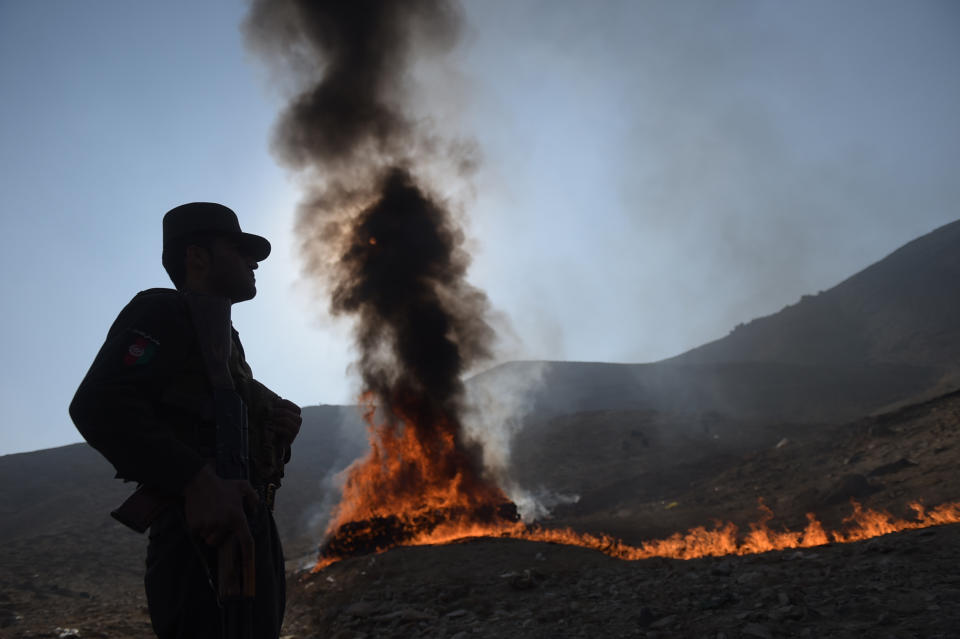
<point x="722" y="539"/>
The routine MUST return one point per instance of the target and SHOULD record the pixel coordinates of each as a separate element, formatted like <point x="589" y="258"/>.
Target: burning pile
<point x="390" y="254"/>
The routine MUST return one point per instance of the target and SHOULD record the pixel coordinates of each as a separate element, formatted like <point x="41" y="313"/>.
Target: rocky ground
<point x="86" y="582"/>
<point x="903" y="585"/>
<point x="73" y="585"/>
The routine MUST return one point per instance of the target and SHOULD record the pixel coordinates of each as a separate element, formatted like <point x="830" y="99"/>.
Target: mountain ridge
<point x="904" y="308"/>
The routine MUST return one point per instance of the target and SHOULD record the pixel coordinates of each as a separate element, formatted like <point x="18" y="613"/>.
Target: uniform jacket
<point x="146" y="402"/>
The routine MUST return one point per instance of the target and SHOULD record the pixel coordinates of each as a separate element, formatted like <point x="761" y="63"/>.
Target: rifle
<point x="235" y="578"/>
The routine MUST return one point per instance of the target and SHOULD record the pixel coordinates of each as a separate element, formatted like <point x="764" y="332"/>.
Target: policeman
<point x="146" y="405"/>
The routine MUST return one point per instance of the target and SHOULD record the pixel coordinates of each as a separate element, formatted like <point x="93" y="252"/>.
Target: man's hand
<point x="285" y="420"/>
<point x="214" y="509"/>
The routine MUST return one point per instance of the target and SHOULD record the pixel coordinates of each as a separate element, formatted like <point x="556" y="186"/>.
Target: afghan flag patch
<point x="140" y="351"/>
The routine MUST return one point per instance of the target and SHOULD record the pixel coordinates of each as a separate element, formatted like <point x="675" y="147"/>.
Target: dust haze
<point x="664" y="171"/>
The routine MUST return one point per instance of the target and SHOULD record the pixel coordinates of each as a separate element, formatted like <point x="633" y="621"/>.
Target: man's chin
<point x="247" y="294"/>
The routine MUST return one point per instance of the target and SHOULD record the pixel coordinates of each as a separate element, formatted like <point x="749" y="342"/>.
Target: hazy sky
<point x="654" y="172"/>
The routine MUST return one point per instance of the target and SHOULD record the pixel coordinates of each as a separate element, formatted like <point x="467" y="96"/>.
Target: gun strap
<point x="211" y="319"/>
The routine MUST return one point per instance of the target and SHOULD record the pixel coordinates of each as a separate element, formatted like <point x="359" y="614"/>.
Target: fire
<point x="408" y="476"/>
<point x="725" y="539"/>
<point x="722" y="539"/>
<point x="413" y="488"/>
<point x="411" y="492"/>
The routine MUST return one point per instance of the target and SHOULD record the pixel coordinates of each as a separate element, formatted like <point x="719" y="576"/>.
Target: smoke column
<point x="386" y="248"/>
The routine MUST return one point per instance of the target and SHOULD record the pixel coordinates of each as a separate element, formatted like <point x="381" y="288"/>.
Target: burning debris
<point x="390" y="254"/>
<point x="379" y="533"/>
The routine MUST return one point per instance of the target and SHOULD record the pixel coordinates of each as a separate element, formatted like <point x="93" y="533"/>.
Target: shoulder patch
<point x="140" y="351"/>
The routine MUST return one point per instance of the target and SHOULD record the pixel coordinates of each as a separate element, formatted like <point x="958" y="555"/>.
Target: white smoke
<point x="352" y="443"/>
<point x="536" y="504"/>
<point x="497" y="403"/>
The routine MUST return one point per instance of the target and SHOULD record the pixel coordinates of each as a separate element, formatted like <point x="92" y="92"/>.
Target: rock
<point x="854" y="458"/>
<point x="457" y="613"/>
<point x="750" y="578"/>
<point x="7" y="618"/>
<point x="908" y="604"/>
<point x="362" y="609"/>
<point x="756" y="630"/>
<point x="718" y="601"/>
<point x="664" y="622"/>
<point x="892" y="467"/>
<point x="527" y="580"/>
<point x="853" y="486"/>
<point x="880" y="545"/>
<point x="643" y="617"/>
<point x="408" y="614"/>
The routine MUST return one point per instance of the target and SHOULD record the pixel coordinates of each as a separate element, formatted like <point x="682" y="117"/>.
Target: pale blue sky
<point x="654" y="172"/>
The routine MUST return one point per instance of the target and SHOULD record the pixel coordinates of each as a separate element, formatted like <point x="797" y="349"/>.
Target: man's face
<point x="231" y="270"/>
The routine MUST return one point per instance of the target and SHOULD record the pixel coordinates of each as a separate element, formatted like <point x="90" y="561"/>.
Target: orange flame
<point x="401" y="477"/>
<point x="404" y="483"/>
<point x="722" y="539"/>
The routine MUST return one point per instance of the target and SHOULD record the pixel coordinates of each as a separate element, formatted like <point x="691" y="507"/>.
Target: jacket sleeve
<point x="264" y="399"/>
<point x="115" y="407"/>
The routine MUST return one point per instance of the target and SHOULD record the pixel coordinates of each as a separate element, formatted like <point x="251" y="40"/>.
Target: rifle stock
<point x="140" y="509"/>
<point x="236" y="590"/>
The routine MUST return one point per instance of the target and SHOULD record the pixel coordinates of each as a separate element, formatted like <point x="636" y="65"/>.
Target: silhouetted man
<point x="146" y="405"/>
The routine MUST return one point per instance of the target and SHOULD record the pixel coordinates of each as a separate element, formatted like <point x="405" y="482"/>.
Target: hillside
<point x="903" y="309"/>
<point x="752" y="390"/>
<point x="886" y="336"/>
<point x="62" y="490"/>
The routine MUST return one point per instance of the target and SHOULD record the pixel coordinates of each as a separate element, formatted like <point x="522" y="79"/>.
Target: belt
<point x="267" y="494"/>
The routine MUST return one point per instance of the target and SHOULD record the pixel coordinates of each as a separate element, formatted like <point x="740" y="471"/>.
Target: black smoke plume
<point x="385" y="245"/>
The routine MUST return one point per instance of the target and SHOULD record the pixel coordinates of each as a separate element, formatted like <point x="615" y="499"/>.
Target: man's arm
<point x="115" y="410"/>
<point x="285" y="420"/>
<point x="115" y="406"/>
<point x="281" y="417"/>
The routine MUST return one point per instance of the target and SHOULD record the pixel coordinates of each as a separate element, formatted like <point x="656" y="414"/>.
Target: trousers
<point x="181" y="579"/>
